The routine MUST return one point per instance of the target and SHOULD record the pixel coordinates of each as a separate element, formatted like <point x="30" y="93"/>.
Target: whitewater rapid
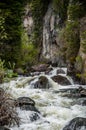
<point x="55" y="110"/>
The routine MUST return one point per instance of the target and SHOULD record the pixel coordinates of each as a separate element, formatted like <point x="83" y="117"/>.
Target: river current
<point x="55" y="110"/>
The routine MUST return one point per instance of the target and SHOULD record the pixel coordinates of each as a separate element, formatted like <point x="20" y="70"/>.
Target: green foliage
<point x="5" y="73"/>
<point x="72" y="40"/>
<point x="3" y="34"/>
<point x="81" y="76"/>
<point x="60" y="7"/>
<point x="29" y="53"/>
<point x="9" y="74"/>
<point x="83" y="41"/>
<point x="10" y="36"/>
<point x="74" y="11"/>
<point x="1" y="65"/>
<point x="79" y="59"/>
<point x="79" y="64"/>
<point x="2" y="71"/>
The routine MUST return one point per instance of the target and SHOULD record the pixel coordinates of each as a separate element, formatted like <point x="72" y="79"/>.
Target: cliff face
<point x="51" y="30"/>
<point x="80" y="65"/>
<point x="62" y="34"/>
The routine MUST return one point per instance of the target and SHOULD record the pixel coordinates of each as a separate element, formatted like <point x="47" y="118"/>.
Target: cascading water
<point x="55" y="110"/>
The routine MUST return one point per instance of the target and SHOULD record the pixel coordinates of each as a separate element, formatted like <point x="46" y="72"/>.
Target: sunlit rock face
<point x="81" y="58"/>
<point x="51" y="29"/>
<point x="28" y="22"/>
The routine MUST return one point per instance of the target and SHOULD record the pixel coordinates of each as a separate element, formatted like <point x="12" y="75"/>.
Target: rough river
<point x="55" y="109"/>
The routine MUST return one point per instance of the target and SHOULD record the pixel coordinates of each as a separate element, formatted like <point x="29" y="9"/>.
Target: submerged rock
<point x="84" y="103"/>
<point x="48" y="70"/>
<point x="61" y="80"/>
<point x="26" y="103"/>
<point x="4" y="128"/>
<point x="60" y="71"/>
<point x="78" y="123"/>
<point x="42" y="83"/>
<point x="34" y="117"/>
<point x="73" y="92"/>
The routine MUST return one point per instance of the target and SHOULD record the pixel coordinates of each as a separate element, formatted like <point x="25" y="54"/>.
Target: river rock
<point x="48" y="70"/>
<point x="42" y="83"/>
<point x="40" y="68"/>
<point x="82" y="91"/>
<point x="60" y="71"/>
<point x="73" y="93"/>
<point x="26" y="103"/>
<point x="4" y="128"/>
<point x="84" y="103"/>
<point x="1" y="91"/>
<point x="78" y="123"/>
<point x="35" y="116"/>
<point x="61" y="80"/>
<point x="19" y="71"/>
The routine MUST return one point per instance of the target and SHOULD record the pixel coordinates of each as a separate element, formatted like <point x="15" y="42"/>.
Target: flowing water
<point x="56" y="110"/>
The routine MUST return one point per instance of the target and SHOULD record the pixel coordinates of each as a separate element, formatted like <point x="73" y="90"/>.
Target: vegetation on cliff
<point x="14" y="44"/>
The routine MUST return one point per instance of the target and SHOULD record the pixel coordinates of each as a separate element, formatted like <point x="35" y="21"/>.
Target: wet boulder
<point x="78" y="123"/>
<point x="60" y="71"/>
<point x="79" y="92"/>
<point x="40" y="68"/>
<point x="48" y="70"/>
<point x="84" y="103"/>
<point x="82" y="91"/>
<point x="61" y="80"/>
<point x="19" y="71"/>
<point x="35" y="116"/>
<point x="26" y="103"/>
<point x="42" y="83"/>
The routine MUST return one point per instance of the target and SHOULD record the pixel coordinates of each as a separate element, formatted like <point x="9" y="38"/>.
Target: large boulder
<point x="40" y="68"/>
<point x="78" y="123"/>
<point x="42" y="83"/>
<point x="19" y="71"/>
<point x="61" y="80"/>
<point x="60" y="71"/>
<point x="26" y="103"/>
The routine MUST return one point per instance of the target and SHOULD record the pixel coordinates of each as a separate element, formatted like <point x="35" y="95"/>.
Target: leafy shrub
<point x="29" y="53"/>
<point x="83" y="41"/>
<point x="74" y="11"/>
<point x="60" y="7"/>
